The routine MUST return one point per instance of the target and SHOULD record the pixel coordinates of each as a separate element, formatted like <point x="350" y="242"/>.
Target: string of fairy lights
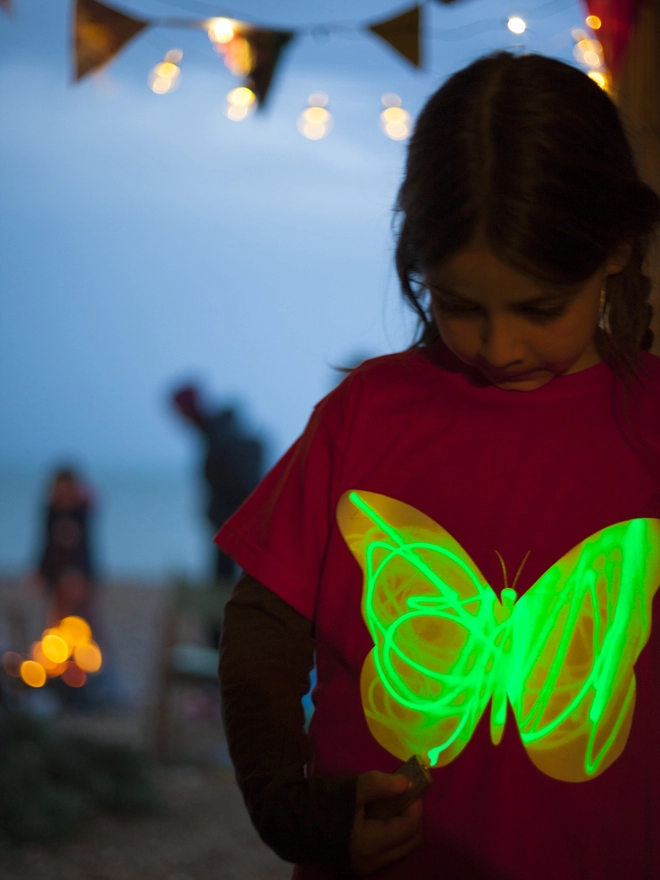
<point x="315" y="120"/>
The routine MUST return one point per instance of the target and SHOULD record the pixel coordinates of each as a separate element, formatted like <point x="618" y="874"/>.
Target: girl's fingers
<point x="374" y="785"/>
<point x="375" y="836"/>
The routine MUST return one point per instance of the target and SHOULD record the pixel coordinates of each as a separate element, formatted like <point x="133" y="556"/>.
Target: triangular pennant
<point x="6" y="5"/>
<point x="402" y="34"/>
<point x="266" y="49"/>
<point x="617" y="18"/>
<point x="100" y="32"/>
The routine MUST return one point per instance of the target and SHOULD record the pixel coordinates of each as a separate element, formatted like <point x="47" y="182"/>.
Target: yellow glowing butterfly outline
<point x="445" y="645"/>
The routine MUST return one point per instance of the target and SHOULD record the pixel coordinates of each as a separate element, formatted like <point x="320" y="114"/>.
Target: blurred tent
<point x="635" y="67"/>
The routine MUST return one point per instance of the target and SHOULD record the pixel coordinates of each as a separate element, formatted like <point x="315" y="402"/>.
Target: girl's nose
<point x="500" y="345"/>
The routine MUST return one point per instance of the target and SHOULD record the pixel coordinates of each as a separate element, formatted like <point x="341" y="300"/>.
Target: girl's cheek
<point x="461" y="337"/>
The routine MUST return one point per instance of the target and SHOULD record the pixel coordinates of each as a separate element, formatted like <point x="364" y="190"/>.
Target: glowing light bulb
<point x="516" y="25"/>
<point x="241" y="97"/>
<point x="33" y="673"/>
<point x="394" y="120"/>
<point x="598" y="78"/>
<point x="578" y="34"/>
<point x="240" y="103"/>
<point x="236" y="114"/>
<point x="174" y="55"/>
<point x="395" y="114"/>
<point x="593" y="22"/>
<point x="315" y="122"/>
<point x="316" y="115"/>
<point x="164" y="77"/>
<point x="220" y="30"/>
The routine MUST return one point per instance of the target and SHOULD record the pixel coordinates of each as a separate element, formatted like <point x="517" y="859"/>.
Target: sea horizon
<point x="148" y="527"/>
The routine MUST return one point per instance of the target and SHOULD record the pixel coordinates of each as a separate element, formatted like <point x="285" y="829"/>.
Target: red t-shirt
<point x="510" y="476"/>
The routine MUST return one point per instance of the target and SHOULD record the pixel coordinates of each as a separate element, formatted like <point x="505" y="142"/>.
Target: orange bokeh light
<point x="54" y="647"/>
<point x="88" y="657"/>
<point x="37" y="654"/>
<point x="11" y="662"/>
<point x="74" y="676"/>
<point x="33" y="673"/>
<point x="74" y="630"/>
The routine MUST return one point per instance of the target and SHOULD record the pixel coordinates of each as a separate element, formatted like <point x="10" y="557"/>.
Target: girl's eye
<point x="536" y="315"/>
<point x="544" y="316"/>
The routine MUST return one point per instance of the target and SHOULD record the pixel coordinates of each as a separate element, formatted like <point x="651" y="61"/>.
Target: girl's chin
<point x="530" y="383"/>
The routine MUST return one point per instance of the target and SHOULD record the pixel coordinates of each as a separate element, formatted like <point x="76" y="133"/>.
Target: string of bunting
<point x="253" y="52"/>
<point x="249" y="51"/>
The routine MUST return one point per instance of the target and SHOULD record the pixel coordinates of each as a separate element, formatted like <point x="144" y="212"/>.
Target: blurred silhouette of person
<point x="67" y="573"/>
<point x="232" y="464"/>
<point x="66" y="570"/>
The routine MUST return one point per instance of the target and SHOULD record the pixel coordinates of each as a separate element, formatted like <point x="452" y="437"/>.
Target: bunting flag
<point x="266" y="47"/>
<point x="617" y="18"/>
<point x="251" y="52"/>
<point x="99" y="33"/>
<point x="6" y="5"/>
<point x="402" y="34"/>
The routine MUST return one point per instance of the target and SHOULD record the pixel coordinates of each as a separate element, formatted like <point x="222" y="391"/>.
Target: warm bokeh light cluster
<point x="394" y="120"/>
<point x="315" y="122"/>
<point x="166" y="76"/>
<point x="65" y="650"/>
<point x="241" y="102"/>
<point x="229" y="41"/>
<point x="588" y="52"/>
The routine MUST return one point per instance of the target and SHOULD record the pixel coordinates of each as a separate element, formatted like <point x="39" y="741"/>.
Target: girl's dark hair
<point x="527" y="155"/>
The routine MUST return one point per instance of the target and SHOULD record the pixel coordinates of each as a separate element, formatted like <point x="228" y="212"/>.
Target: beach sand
<point x="206" y="832"/>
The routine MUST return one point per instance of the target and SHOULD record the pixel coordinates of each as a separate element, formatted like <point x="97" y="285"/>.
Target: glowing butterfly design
<point x="445" y="645"/>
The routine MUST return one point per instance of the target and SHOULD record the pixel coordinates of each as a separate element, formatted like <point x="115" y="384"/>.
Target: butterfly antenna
<point x="499" y="556"/>
<point x="522" y="565"/>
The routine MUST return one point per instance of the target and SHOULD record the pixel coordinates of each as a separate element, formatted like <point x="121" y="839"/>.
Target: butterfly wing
<point x="431" y="616"/>
<point x="576" y="636"/>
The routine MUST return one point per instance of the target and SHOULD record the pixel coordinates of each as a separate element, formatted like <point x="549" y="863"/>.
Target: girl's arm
<point x="267" y="652"/>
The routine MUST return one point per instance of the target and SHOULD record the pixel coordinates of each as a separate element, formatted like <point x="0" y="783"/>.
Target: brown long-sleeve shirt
<point x="267" y="653"/>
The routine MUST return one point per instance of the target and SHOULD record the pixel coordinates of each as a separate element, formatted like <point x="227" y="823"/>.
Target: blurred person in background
<point x="66" y="571"/>
<point x="231" y="468"/>
<point x="67" y="574"/>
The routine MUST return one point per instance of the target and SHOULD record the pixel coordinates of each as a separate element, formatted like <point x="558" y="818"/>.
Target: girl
<point x="467" y="534"/>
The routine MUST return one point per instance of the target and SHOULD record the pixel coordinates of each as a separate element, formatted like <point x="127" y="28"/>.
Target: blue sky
<point x="146" y="239"/>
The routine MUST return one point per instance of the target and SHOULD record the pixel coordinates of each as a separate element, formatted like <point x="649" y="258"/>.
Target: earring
<point x="603" y="322"/>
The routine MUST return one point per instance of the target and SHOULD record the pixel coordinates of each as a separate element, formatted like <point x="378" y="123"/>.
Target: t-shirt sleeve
<point x="279" y="535"/>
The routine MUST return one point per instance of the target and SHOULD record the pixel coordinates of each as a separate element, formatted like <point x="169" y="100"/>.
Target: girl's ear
<point x="619" y="258"/>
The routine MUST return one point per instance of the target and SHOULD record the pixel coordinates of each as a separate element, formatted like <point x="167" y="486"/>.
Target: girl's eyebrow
<point x="549" y="296"/>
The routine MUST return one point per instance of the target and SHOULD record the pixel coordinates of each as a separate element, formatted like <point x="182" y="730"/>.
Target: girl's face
<point x="519" y="332"/>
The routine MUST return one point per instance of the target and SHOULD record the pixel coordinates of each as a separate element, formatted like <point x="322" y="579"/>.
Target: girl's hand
<point x="377" y="842"/>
